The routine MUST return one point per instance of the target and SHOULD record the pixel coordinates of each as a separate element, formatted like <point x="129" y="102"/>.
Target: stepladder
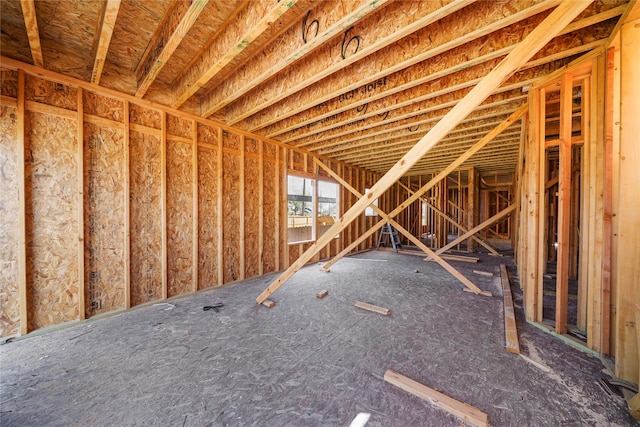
<point x="389" y="234"/>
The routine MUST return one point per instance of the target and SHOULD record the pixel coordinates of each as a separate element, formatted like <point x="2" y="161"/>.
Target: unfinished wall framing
<point x="127" y="202"/>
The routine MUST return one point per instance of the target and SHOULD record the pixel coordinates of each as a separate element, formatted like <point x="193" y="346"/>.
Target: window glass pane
<point x="300" y="209"/>
<point x="327" y="205"/>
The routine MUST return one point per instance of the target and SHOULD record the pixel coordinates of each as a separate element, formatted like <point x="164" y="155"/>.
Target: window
<point x="369" y="211"/>
<point x="300" y="224"/>
<point x="327" y="205"/>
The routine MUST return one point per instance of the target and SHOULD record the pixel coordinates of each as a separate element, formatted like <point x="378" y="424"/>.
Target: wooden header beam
<point x="552" y="25"/>
<point x="106" y="30"/>
<point x="31" y="24"/>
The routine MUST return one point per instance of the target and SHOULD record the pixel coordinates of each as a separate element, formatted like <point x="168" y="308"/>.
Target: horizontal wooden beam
<point x="175" y="25"/>
<point x="325" y="61"/>
<point x="31" y="24"/>
<point x="318" y="27"/>
<point x="104" y="40"/>
<point x="250" y="23"/>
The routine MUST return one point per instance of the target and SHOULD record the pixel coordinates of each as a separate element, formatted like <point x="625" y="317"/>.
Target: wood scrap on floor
<point x="462" y="410"/>
<point x="268" y="303"/>
<point x="322" y="294"/>
<point x="372" y="307"/>
<point x="450" y="257"/>
<point x="510" y="330"/>
<point x="483" y="273"/>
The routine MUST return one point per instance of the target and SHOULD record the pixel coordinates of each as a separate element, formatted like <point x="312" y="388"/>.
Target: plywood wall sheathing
<point x="146" y="236"/>
<point x="52" y="243"/>
<point x="179" y="217"/>
<point x="10" y="227"/>
<point x="208" y="193"/>
<point x="103" y="218"/>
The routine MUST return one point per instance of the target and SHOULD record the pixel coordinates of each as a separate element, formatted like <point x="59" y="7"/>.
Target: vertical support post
<point x="80" y="201"/>
<point x="163" y="203"/>
<point x="127" y="210"/>
<point x="533" y="308"/>
<point x="260" y="207"/>
<point x="22" y="206"/>
<point x="195" y="195"/>
<point x="219" y="218"/>
<point x="278" y="233"/>
<point x="241" y="209"/>
<point x="564" y="204"/>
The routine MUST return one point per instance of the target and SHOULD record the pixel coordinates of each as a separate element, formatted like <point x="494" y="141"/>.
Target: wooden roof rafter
<point x="31" y="24"/>
<point x="108" y="21"/>
<point x="250" y="23"/>
<point x="176" y="23"/>
<point x="318" y="27"/>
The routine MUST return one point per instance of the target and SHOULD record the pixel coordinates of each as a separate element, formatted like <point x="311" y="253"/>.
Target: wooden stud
<point x="195" y="206"/>
<point x="278" y="232"/>
<point x="241" y="209"/>
<point x="163" y="204"/>
<point x="374" y="308"/>
<point x="22" y="214"/>
<point x="261" y="208"/>
<point x="461" y="410"/>
<point x="510" y="329"/>
<point x="80" y="202"/>
<point x="387" y="218"/>
<point x="106" y="30"/>
<point x="31" y="24"/>
<point x="506" y="211"/>
<point x="174" y="27"/>
<point x="564" y="205"/>
<point x="219" y="218"/>
<point x="127" y="210"/>
<point x="251" y="22"/>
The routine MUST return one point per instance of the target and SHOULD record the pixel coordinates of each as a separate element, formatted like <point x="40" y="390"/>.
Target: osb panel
<point x="207" y="135"/>
<point x="179" y="218"/>
<point x="207" y="218"/>
<point x="179" y="126"/>
<point x="251" y="145"/>
<point x="50" y="93"/>
<point x="145" y="116"/>
<point x="230" y="140"/>
<point x="51" y="187"/>
<point x="9" y="83"/>
<point x="269" y="150"/>
<point x="103" y="219"/>
<point x="294" y="252"/>
<point x="251" y="217"/>
<point x="269" y="214"/>
<point x="9" y="237"/>
<point x="231" y="216"/>
<point x="103" y="106"/>
<point x="145" y="217"/>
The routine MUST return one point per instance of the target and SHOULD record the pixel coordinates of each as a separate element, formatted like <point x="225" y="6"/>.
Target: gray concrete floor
<point x="307" y="361"/>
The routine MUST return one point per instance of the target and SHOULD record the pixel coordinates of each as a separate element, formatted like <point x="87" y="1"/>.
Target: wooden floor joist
<point x="466" y="412"/>
<point x="510" y="330"/>
<point x="540" y="36"/>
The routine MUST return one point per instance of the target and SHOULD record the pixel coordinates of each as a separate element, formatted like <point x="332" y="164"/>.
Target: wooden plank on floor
<point x="468" y="413"/>
<point x="322" y="294"/>
<point x="510" y="330"/>
<point x="372" y="307"/>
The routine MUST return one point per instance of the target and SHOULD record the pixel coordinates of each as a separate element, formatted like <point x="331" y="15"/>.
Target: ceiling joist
<point x="104" y="40"/>
<point x="31" y="24"/>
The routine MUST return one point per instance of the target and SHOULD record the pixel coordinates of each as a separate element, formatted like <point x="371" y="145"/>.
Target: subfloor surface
<point x="308" y="361"/>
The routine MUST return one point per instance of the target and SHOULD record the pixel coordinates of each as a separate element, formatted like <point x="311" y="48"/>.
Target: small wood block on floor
<point x="322" y="294"/>
<point x="483" y="273"/>
<point x="268" y="303"/>
<point x="461" y="258"/>
<point x="371" y="307"/>
<point x="510" y="330"/>
<point x="464" y="411"/>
